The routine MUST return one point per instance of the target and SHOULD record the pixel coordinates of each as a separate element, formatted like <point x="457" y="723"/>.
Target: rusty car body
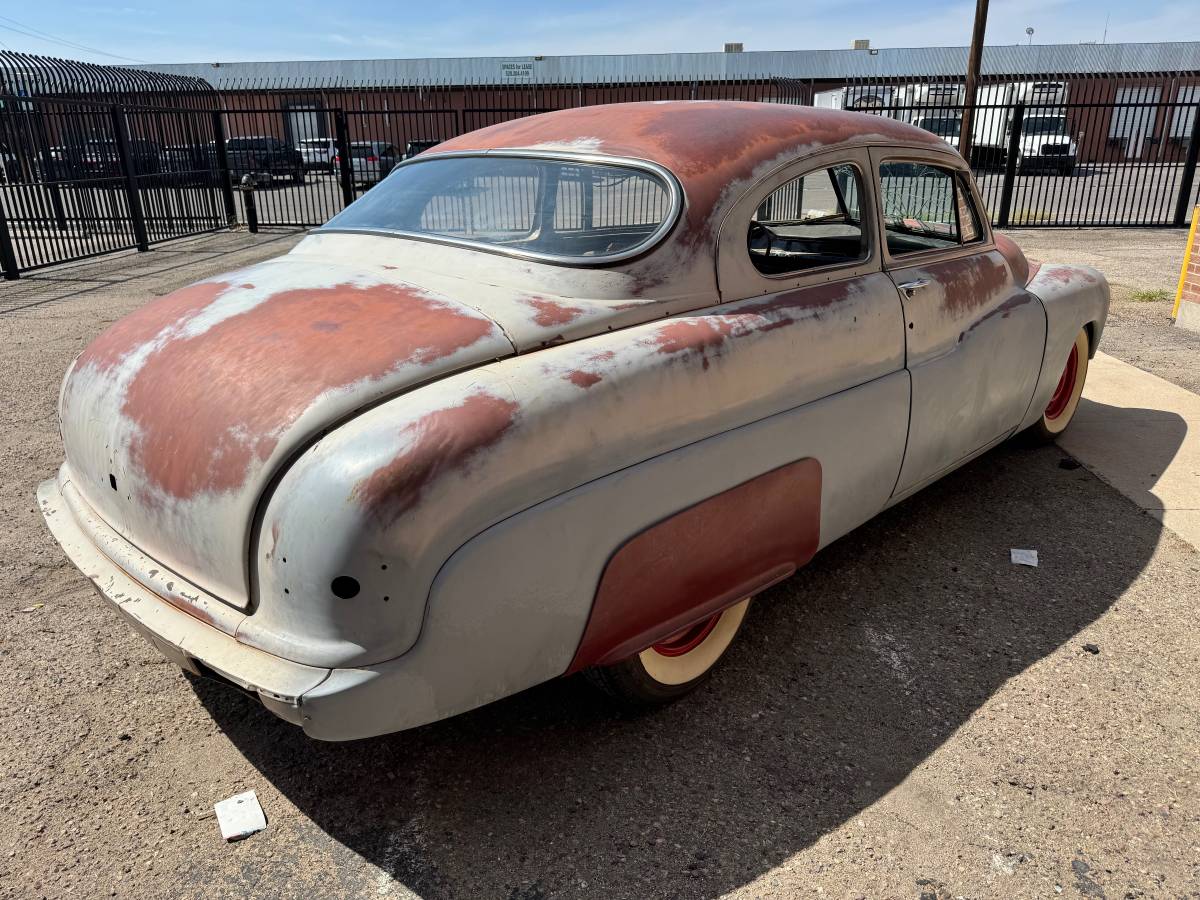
<point x="453" y="445"/>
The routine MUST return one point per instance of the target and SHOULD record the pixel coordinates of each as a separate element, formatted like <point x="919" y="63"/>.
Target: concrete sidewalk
<point x="1141" y="434"/>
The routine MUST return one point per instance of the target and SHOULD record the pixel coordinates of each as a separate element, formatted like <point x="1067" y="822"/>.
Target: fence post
<point x="125" y="158"/>
<point x="1189" y="172"/>
<point x="247" y="188"/>
<point x="8" y="257"/>
<point x="1010" y="165"/>
<point x="224" y="177"/>
<point x="344" y="164"/>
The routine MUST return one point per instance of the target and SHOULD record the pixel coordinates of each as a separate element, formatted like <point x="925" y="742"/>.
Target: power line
<point x="30" y="31"/>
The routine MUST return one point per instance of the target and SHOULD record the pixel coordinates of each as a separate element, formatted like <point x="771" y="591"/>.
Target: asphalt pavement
<point x="912" y="715"/>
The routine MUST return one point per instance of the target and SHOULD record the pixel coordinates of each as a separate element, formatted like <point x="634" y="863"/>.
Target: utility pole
<point x="974" y="59"/>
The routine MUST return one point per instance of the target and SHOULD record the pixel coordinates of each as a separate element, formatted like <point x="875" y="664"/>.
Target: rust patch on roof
<point x="209" y="406"/>
<point x="549" y="313"/>
<point x="440" y="442"/>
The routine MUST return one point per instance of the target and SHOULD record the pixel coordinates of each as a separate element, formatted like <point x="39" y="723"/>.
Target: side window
<point x="925" y="208"/>
<point x="968" y="219"/>
<point x="811" y="221"/>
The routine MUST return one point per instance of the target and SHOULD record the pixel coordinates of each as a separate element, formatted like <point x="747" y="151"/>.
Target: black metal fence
<point x="91" y="173"/>
<point x="85" y="178"/>
<point x="1060" y="150"/>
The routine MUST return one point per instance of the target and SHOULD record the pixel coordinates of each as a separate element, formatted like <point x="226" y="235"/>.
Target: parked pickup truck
<point x="265" y="158"/>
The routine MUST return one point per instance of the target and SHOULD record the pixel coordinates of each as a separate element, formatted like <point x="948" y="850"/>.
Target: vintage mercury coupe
<point x="558" y="396"/>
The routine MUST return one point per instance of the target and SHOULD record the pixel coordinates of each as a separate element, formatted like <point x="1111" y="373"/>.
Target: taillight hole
<point x="345" y="587"/>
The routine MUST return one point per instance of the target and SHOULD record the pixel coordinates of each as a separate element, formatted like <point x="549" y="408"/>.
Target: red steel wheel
<point x="1065" y="399"/>
<point x="675" y="665"/>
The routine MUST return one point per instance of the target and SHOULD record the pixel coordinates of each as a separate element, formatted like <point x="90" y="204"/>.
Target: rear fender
<point x="1075" y="297"/>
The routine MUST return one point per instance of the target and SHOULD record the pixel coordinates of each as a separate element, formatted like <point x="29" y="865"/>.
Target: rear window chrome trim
<point x="668" y="179"/>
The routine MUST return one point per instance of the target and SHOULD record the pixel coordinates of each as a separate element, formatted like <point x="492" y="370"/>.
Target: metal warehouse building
<point x="1129" y="102"/>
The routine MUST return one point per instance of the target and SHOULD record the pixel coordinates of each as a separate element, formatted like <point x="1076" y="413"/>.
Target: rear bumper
<point x="337" y="712"/>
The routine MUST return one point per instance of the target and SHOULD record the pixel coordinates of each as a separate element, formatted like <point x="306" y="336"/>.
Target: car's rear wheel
<point x="1065" y="400"/>
<point x="675" y="665"/>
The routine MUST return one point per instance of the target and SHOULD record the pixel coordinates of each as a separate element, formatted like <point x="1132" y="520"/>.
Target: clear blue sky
<point x="229" y="31"/>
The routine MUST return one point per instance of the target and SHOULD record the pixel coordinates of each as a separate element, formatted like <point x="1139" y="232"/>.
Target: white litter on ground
<point x="240" y="816"/>
<point x="1024" y="557"/>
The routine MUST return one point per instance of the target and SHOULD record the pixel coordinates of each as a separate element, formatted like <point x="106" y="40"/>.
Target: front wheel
<point x="674" y="666"/>
<point x="1065" y="399"/>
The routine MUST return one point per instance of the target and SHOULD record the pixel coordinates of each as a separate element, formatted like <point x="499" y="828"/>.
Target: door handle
<point x="911" y="287"/>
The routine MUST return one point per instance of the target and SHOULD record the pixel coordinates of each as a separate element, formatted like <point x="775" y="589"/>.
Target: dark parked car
<point x="187" y="164"/>
<point x="412" y="148"/>
<point x="99" y="158"/>
<point x="265" y="158"/>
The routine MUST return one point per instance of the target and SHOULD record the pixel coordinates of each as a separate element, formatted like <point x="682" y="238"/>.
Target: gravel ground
<point x="1141" y="263"/>
<point x="910" y="716"/>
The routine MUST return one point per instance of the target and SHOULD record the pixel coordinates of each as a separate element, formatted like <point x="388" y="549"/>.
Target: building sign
<point x="516" y="71"/>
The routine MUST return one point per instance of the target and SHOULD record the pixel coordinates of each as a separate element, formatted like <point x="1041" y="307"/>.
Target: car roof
<point x="694" y="137"/>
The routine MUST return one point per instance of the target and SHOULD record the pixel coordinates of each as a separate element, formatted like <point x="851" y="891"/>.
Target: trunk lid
<point x="177" y="417"/>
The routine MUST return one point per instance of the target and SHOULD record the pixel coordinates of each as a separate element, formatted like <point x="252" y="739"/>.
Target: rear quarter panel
<point x="389" y="497"/>
<point x="1075" y="297"/>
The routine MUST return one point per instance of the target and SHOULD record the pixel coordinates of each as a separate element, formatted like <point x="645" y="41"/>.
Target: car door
<point x="802" y="243"/>
<point x="975" y="336"/>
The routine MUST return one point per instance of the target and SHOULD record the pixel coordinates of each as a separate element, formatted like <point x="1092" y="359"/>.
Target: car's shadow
<point x="843" y="680"/>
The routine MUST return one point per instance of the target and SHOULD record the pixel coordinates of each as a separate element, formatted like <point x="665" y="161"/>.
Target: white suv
<point x="318" y="153"/>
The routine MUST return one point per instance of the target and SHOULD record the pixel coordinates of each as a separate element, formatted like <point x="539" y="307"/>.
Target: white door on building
<point x="1133" y="124"/>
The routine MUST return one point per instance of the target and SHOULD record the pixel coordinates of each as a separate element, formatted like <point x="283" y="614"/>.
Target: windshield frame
<point x="674" y="212"/>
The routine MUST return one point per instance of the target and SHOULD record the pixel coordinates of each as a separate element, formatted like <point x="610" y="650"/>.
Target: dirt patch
<point x="1142" y="267"/>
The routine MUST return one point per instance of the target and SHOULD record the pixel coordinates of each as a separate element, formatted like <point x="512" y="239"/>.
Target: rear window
<point x="553" y="208"/>
<point x="315" y="142"/>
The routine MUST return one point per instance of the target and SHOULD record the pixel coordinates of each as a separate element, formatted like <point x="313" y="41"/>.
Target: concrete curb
<point x="1141" y="434"/>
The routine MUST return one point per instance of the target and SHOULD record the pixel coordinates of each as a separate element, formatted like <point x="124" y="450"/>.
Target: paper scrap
<point x="240" y="816"/>
<point x="1024" y="557"/>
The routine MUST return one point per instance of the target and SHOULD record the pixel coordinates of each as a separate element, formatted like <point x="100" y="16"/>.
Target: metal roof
<point x="1064" y="59"/>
